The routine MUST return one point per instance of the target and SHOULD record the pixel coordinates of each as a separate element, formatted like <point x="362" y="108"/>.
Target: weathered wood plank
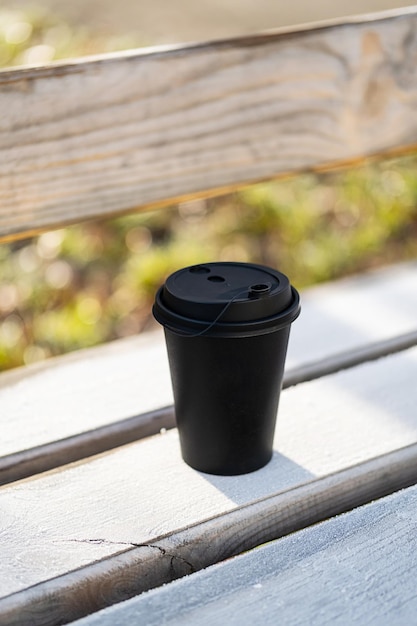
<point x="350" y="358"/>
<point x="71" y="395"/>
<point x="88" y="402"/>
<point x="41" y="458"/>
<point x="132" y="509"/>
<point x="359" y="568"/>
<point x="146" y="566"/>
<point x="354" y="312"/>
<point x="139" y="129"/>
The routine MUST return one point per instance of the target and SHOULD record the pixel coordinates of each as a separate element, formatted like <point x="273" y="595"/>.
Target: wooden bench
<point x="317" y="576"/>
<point x="93" y="509"/>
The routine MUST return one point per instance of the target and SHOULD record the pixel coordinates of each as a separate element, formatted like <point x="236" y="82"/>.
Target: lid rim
<point x="182" y="325"/>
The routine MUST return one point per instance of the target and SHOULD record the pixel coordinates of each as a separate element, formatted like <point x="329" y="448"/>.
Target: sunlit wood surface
<point x="93" y="400"/>
<point x="104" y="529"/>
<point x="355" y="569"/>
<point x="99" y="137"/>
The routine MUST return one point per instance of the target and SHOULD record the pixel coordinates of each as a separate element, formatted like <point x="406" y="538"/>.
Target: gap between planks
<point x="356" y="568"/>
<point x="49" y="456"/>
<point x="145" y="566"/>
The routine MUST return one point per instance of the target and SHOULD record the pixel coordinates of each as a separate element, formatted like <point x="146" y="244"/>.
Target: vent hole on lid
<point x="259" y="290"/>
<point x="216" y="279"/>
<point x="261" y="287"/>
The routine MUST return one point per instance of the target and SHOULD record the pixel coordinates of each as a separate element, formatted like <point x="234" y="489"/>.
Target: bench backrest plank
<point x="100" y="137"/>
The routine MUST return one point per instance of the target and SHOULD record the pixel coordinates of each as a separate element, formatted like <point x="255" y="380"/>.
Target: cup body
<point x="226" y="394"/>
<point x="226" y="327"/>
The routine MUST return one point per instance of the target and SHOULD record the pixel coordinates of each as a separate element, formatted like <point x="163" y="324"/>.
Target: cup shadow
<point x="280" y="474"/>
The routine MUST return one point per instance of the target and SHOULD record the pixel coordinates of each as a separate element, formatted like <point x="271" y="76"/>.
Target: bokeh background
<point x="95" y="282"/>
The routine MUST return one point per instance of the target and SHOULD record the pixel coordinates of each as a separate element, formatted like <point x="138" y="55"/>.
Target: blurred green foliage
<point x="87" y="284"/>
<point x="36" y="36"/>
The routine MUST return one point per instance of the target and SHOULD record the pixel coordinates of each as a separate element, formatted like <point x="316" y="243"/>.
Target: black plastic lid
<point x="226" y="299"/>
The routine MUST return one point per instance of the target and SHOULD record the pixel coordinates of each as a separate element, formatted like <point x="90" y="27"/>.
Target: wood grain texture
<point x="359" y="568"/>
<point x="80" y="392"/>
<point x="81" y="404"/>
<point x="139" y="129"/>
<point x="42" y="458"/>
<point x="48" y="456"/>
<point x="350" y="358"/>
<point x="67" y="526"/>
<point x="145" y="566"/>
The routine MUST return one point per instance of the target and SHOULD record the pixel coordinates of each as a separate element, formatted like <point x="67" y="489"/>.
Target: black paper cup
<point x="226" y="328"/>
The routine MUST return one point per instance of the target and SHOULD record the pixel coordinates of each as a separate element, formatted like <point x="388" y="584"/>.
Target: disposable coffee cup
<point x="226" y="328"/>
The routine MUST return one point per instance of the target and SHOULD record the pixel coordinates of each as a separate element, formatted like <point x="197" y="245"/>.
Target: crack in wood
<point x="163" y="552"/>
<point x="126" y="574"/>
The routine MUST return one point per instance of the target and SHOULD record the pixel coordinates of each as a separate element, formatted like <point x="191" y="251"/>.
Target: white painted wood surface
<point x="110" y="505"/>
<point x="81" y="391"/>
<point x="93" y="388"/>
<point x="352" y="312"/>
<point x="146" y="566"/>
<point x="103" y="136"/>
<point x="359" y="568"/>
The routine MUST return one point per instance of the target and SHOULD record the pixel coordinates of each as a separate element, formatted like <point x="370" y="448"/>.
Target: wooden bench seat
<point x="112" y="526"/>
<point x="358" y="568"/>
<point x="84" y="403"/>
